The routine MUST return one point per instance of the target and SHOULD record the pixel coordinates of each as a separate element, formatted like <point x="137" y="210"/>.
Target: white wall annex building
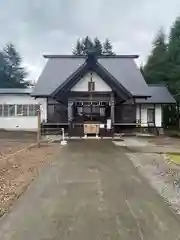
<point x="18" y="110"/>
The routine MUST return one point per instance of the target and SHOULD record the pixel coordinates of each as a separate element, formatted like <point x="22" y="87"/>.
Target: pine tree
<point x="77" y="49"/>
<point x="4" y="81"/>
<point x="97" y="46"/>
<point x="13" y="71"/>
<point x="87" y="45"/>
<point x="107" y="48"/>
<point x="173" y="57"/>
<point x="155" y="69"/>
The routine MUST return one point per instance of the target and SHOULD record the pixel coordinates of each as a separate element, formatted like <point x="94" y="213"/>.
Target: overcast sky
<point x="53" y="26"/>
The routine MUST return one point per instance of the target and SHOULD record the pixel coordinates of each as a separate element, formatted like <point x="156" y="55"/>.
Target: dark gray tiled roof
<point x="16" y="90"/>
<point x="159" y="94"/>
<point x="122" y="68"/>
<point x="56" y="71"/>
<point x="127" y="73"/>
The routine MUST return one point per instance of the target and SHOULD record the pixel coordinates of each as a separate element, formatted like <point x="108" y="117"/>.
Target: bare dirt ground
<point x="17" y="171"/>
<point x="8" y="146"/>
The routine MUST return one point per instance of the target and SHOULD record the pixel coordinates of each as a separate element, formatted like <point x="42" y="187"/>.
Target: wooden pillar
<point x="140" y="120"/>
<point x="70" y="112"/>
<point x="140" y="114"/>
<point x="38" y="127"/>
<point x="70" y="116"/>
<point x="112" y="108"/>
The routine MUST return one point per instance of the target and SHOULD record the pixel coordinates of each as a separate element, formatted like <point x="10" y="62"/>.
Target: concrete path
<point x="91" y="191"/>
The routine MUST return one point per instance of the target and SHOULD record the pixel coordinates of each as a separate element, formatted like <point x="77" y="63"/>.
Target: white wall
<point x="137" y="113"/>
<point x="158" y="115"/>
<point x="144" y="115"/>
<point x="144" y="107"/>
<point x="82" y="85"/>
<point x="22" y="122"/>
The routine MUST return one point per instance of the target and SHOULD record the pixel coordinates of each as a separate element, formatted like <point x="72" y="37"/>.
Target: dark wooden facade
<point x="58" y="112"/>
<point x="64" y="114"/>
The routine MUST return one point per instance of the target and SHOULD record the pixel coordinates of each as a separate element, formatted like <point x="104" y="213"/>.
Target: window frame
<point x="18" y="110"/>
<point x="6" y="110"/>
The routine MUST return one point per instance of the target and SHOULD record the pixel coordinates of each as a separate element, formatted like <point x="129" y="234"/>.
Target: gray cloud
<point x="44" y="26"/>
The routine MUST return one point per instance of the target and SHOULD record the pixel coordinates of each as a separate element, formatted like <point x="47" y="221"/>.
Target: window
<point x="19" y="110"/>
<point x="33" y="110"/>
<point x="91" y="86"/>
<point x="7" y="110"/>
<point x="10" y="110"/>
<point x="27" y="110"/>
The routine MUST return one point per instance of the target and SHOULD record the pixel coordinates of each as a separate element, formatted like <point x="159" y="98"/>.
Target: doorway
<point x="95" y="111"/>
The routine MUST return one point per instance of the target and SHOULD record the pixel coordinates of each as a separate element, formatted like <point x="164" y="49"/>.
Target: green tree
<point x="173" y="58"/>
<point x="155" y="69"/>
<point x="4" y="82"/>
<point x="14" y="72"/>
<point x="108" y="48"/>
<point x="77" y="49"/>
<point x="86" y="45"/>
<point x="97" y="46"/>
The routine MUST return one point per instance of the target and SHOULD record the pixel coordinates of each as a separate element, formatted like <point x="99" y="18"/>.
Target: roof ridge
<point x="157" y="84"/>
<point x="85" y="56"/>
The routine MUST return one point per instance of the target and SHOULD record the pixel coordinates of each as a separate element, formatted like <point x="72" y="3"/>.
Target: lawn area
<point x="175" y="158"/>
<point x="172" y="133"/>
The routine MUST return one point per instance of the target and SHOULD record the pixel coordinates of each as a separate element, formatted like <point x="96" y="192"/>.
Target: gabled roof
<point x="16" y="91"/>
<point x="55" y="73"/>
<point x="127" y="73"/>
<point x="91" y="65"/>
<point x="159" y="94"/>
<point x="121" y="68"/>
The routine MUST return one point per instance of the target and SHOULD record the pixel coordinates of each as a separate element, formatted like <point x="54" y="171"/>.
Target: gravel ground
<point x="9" y="146"/>
<point x="17" y="172"/>
<point x="164" y="176"/>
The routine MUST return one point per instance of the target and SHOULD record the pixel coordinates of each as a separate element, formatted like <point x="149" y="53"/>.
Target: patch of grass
<point x="175" y="158"/>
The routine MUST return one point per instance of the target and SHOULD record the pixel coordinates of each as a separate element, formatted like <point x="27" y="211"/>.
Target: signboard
<point x="91" y="128"/>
